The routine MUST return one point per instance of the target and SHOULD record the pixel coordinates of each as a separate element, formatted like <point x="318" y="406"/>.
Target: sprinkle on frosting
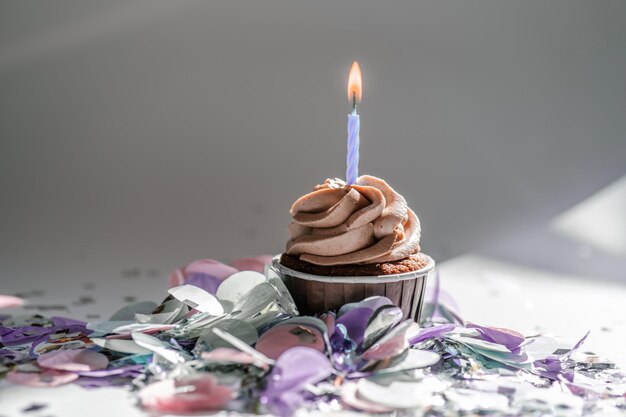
<point x="364" y="223"/>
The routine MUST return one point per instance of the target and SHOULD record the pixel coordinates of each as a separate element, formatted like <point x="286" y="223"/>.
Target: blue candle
<point x="354" y="124"/>
<point x="352" y="159"/>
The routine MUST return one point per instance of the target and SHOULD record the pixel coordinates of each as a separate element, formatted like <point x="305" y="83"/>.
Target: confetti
<point x="9" y="301"/>
<point x="73" y="360"/>
<point x="185" y="395"/>
<point x="226" y="338"/>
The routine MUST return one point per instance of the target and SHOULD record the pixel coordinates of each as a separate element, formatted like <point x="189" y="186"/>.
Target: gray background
<point x="155" y="132"/>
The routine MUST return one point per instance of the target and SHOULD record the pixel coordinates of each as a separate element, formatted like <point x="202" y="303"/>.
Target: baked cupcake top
<point x="364" y="223"/>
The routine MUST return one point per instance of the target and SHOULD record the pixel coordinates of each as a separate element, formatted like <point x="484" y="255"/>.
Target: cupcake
<point x="350" y="242"/>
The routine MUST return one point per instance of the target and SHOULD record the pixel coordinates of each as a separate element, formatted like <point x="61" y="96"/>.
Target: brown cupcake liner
<point x="316" y="294"/>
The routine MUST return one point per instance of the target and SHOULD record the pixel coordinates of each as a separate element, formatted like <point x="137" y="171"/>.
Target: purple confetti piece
<point x="5" y="330"/>
<point x="297" y="367"/>
<point x="554" y="367"/>
<point x="208" y="283"/>
<point x="355" y="321"/>
<point x="373" y="303"/>
<point x="66" y="322"/>
<point x="432" y="333"/>
<point x="440" y="306"/>
<point x="294" y="369"/>
<point x="578" y="345"/>
<point x="23" y="335"/>
<point x="505" y="337"/>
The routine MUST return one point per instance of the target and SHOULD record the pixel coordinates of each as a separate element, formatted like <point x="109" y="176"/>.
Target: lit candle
<point x="354" y="124"/>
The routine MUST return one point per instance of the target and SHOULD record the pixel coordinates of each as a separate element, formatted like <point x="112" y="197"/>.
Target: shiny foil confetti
<point x="228" y="338"/>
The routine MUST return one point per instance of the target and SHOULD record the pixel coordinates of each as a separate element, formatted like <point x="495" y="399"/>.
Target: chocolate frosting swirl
<point x="364" y="223"/>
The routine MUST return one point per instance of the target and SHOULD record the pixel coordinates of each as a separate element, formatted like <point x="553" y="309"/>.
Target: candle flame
<point x="355" y="84"/>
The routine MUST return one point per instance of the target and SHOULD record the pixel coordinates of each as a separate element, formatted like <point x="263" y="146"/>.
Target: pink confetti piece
<point x="208" y="267"/>
<point x="73" y="360"/>
<point x="112" y="372"/>
<point x="283" y="337"/>
<point x="190" y="394"/>
<point x="256" y="263"/>
<point x="9" y="301"/>
<point x="176" y="278"/>
<point x="47" y="378"/>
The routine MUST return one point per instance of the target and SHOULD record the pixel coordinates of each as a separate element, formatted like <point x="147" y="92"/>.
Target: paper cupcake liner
<point x="317" y="294"/>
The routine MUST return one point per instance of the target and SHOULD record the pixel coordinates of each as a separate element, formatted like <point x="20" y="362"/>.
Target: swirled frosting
<point x="338" y="224"/>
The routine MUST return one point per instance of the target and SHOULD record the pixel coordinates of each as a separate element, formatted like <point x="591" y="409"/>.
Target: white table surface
<point x="487" y="291"/>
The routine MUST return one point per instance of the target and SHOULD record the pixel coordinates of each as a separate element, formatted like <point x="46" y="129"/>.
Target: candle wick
<point x="353" y="102"/>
